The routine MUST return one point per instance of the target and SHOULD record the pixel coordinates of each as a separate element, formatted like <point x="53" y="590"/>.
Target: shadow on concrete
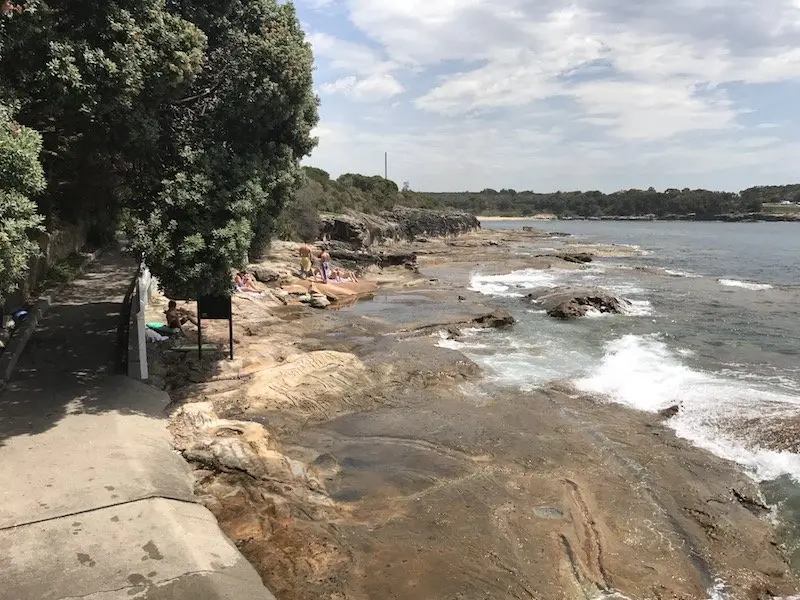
<point x="68" y="364"/>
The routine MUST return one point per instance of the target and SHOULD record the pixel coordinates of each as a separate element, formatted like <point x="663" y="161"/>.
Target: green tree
<point x="21" y="177"/>
<point x="192" y="115"/>
<point x="231" y="155"/>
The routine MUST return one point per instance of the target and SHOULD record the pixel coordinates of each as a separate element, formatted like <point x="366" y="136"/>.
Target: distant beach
<point x="539" y="217"/>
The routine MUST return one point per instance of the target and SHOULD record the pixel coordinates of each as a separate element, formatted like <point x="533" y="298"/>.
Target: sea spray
<point x="640" y="371"/>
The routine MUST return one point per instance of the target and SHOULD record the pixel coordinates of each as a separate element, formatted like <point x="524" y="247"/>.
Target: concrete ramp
<point x="151" y="549"/>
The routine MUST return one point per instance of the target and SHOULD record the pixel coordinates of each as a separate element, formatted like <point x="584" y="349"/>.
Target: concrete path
<point x="94" y="502"/>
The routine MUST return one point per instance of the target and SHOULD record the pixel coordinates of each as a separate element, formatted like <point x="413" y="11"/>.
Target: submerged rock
<point x="573" y="304"/>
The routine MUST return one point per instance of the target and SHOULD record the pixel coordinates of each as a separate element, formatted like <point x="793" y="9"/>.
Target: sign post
<point x="214" y="307"/>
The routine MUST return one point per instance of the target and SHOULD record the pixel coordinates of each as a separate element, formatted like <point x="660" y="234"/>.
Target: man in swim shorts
<point x="305" y="261"/>
<point x="325" y="258"/>
<point x="177" y="317"/>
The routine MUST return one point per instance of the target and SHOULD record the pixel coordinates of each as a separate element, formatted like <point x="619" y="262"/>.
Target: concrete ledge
<point x="16" y="346"/>
<point x="152" y="549"/>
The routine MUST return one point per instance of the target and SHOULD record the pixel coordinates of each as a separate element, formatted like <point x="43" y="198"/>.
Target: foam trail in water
<point x="675" y="273"/>
<point x="502" y="285"/>
<point x="641" y="372"/>
<point x="747" y="285"/>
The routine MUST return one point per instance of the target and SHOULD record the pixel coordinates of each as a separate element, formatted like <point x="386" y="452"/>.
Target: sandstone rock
<point x="222" y="445"/>
<point x="497" y="319"/>
<point x="266" y="274"/>
<point x="319" y="300"/>
<point x="572" y="304"/>
<point x="316" y="383"/>
<point x="358" y="230"/>
<point x="416" y="222"/>
<point x="382" y="258"/>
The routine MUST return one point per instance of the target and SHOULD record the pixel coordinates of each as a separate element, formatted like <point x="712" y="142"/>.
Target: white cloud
<point x="371" y="88"/>
<point x="317" y="4"/>
<point x="369" y="76"/>
<point x="528" y="49"/>
<point x="649" y="111"/>
<point x="634" y="84"/>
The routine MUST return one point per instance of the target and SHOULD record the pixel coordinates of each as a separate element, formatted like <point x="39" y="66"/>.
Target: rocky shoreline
<point x="350" y="457"/>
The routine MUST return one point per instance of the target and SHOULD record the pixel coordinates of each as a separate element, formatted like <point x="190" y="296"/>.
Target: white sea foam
<point x="641" y="372"/>
<point x="719" y="591"/>
<point x="465" y="342"/>
<point x="625" y="289"/>
<point x="747" y="285"/>
<point x="503" y="285"/>
<point x="676" y="273"/>
<point x="638" y="308"/>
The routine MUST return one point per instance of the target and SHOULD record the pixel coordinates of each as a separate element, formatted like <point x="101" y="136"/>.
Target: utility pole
<point x="386" y="165"/>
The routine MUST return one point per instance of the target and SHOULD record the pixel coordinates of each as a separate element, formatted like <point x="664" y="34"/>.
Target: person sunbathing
<point x="340" y="275"/>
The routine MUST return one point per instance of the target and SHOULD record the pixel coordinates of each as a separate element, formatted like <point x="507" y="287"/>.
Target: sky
<point x="549" y="95"/>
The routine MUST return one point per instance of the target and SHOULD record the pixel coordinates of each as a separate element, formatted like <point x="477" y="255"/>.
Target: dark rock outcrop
<point x="577" y="257"/>
<point x="670" y="411"/>
<point x="497" y="319"/>
<point x="416" y="222"/>
<point x="573" y="304"/>
<point x="359" y="230"/>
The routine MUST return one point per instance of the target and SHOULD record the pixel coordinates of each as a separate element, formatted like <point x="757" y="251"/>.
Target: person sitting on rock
<point x="245" y="283"/>
<point x="176" y="317"/>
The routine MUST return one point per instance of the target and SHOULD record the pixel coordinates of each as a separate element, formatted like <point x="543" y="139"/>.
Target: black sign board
<point x="213" y="307"/>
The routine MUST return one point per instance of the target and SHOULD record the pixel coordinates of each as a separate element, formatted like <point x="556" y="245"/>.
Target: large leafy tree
<point x="92" y="77"/>
<point x="21" y="177"/>
<point x="234" y="145"/>
<point x="190" y="114"/>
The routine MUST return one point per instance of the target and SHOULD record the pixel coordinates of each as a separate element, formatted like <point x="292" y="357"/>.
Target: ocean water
<point x="714" y="326"/>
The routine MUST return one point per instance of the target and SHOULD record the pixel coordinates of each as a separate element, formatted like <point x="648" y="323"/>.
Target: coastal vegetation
<point x="632" y="202"/>
<point x="183" y="120"/>
<point x="318" y="192"/>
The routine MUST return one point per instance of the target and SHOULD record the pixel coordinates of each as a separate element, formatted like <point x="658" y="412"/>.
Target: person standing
<point x="325" y="258"/>
<point x="305" y="261"/>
